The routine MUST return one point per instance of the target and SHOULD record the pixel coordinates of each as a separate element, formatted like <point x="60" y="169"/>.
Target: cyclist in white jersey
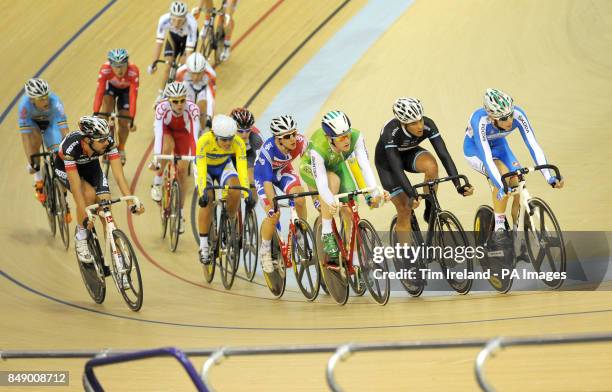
<point x="182" y="30"/>
<point x="200" y="80"/>
<point x="229" y="7"/>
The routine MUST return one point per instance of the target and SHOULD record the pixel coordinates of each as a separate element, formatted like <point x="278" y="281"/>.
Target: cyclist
<point x="117" y="90"/>
<point x="78" y="167"/>
<point x="200" y="79"/>
<point x="487" y="151"/>
<point x="398" y="150"/>
<point x="177" y="124"/>
<point x="273" y="169"/>
<point x="324" y="169"/>
<point x="214" y="163"/>
<point x="41" y="119"/>
<point x="182" y="30"/>
<point x="228" y="7"/>
<point x="249" y="134"/>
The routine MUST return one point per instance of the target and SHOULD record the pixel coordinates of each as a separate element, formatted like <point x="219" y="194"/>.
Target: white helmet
<point x="175" y="90"/>
<point x="35" y="88"/>
<point x="178" y="8"/>
<point x="335" y="123"/>
<point x="196" y="62"/>
<point x="94" y="127"/>
<point x="497" y="103"/>
<point x="408" y="110"/>
<point x="224" y="126"/>
<point x="282" y="124"/>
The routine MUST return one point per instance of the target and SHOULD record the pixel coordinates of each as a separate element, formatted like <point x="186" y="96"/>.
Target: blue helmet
<point x="336" y="123"/>
<point x="118" y="56"/>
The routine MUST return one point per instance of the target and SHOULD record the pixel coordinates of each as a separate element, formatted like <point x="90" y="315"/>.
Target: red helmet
<point x="243" y="117"/>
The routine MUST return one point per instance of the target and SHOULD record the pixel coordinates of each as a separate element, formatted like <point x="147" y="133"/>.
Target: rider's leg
<point x="233" y="196"/>
<point x="404" y="215"/>
<point x="124" y="132"/>
<point x="31" y="145"/>
<point x="425" y="163"/>
<point x="167" y="149"/>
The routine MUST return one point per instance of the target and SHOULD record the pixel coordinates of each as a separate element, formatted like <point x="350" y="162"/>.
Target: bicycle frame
<point x="109" y="227"/>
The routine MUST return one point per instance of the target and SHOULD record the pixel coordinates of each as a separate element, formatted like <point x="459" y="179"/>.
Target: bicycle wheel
<point x="277" y="279"/>
<point x="93" y="274"/>
<point x="414" y="287"/>
<point x="356" y="280"/>
<point x="228" y="252"/>
<point x="165" y="203"/>
<point x="305" y="265"/>
<point x="250" y="244"/>
<point x="213" y="248"/>
<point x="449" y="232"/>
<point x="544" y="241"/>
<point x="491" y="263"/>
<point x="175" y="215"/>
<point x="219" y="38"/>
<point x="125" y="262"/>
<point x="336" y="282"/>
<point x="208" y="44"/>
<point x="61" y="208"/>
<point x="194" y="216"/>
<point x="50" y="200"/>
<point x="376" y="275"/>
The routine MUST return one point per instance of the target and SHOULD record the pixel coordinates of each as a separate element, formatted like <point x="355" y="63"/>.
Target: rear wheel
<point x="175" y="215"/>
<point x="207" y="43"/>
<point x="93" y="273"/>
<point x="228" y="250"/>
<point x="50" y="200"/>
<point x="250" y="243"/>
<point x="336" y="282"/>
<point x="375" y="274"/>
<point x="303" y="258"/>
<point x="165" y="203"/>
<point x="449" y="232"/>
<point x="414" y="287"/>
<point x="127" y="261"/>
<point x="544" y="241"/>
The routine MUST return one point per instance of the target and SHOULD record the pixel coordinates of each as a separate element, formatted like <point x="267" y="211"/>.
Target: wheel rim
<point x="128" y="261"/>
<point x="368" y="239"/>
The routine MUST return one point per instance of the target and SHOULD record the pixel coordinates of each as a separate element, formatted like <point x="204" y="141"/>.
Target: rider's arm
<point x="263" y="174"/>
<point x="160" y="36"/>
<point x="530" y="141"/>
<point x="59" y="116"/>
<point x="201" y="164"/>
<point x="438" y="144"/>
<point x="192" y="35"/>
<point x="75" y="186"/>
<point x="100" y="88"/>
<point x="134" y="84"/>
<point x="158" y="129"/>
<point x="241" y="162"/>
<point x="364" y="164"/>
<point x="117" y="168"/>
<point x="479" y="127"/>
<point x="26" y="126"/>
<point x="319" y="172"/>
<point x="194" y="113"/>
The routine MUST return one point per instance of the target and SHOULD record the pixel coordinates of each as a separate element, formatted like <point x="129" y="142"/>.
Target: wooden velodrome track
<point x="552" y="55"/>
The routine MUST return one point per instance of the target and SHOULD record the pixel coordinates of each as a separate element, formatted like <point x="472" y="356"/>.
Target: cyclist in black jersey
<point x="252" y="139"/>
<point x="78" y="167"/>
<point x="398" y="150"/>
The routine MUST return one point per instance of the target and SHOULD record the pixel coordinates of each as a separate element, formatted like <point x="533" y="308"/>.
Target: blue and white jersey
<point x="271" y="160"/>
<point x="482" y="137"/>
<point x="31" y="117"/>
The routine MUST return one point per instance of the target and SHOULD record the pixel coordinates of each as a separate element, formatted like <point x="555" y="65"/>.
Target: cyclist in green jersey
<point x="323" y="168"/>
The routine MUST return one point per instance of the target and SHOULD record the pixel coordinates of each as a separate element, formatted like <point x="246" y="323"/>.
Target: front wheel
<point x="125" y="264"/>
<point x="228" y="252"/>
<point x="61" y="209"/>
<point x="544" y="241"/>
<point x="250" y="244"/>
<point x="457" y="268"/>
<point x="375" y="273"/>
<point x="277" y="279"/>
<point x="303" y="258"/>
<point x="50" y="200"/>
<point x="336" y="282"/>
<point x="175" y="215"/>
<point x="213" y="248"/>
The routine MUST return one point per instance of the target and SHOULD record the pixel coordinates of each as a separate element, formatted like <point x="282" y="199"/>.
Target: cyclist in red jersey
<point x="118" y="91"/>
<point x="176" y="125"/>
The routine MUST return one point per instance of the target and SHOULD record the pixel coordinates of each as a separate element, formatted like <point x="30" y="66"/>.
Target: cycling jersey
<point x="203" y="90"/>
<point x="183" y="128"/>
<point x="397" y="151"/>
<point x="273" y="165"/>
<point x="321" y="157"/>
<point x="484" y="142"/>
<point x="189" y="29"/>
<point x="108" y="83"/>
<point x="210" y="156"/>
<point x="253" y="144"/>
<point x="50" y="122"/>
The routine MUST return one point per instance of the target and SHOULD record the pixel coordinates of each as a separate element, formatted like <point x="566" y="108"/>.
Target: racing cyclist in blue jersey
<point x="487" y="151"/>
<point x="41" y="119"/>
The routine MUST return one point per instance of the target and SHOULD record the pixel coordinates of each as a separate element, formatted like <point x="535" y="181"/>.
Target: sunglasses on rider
<point x="505" y="118"/>
<point x="342" y="137"/>
<point x="177" y="101"/>
<point x="225" y="139"/>
<point x="246" y="130"/>
<point x="288" y="136"/>
<point x="42" y="98"/>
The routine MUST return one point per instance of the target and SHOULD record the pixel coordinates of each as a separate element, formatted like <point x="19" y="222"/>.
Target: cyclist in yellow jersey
<point x="214" y="153"/>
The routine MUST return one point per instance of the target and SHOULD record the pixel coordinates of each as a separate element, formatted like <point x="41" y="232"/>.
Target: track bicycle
<point x="112" y="119"/>
<point x="55" y="204"/>
<point x="120" y="254"/>
<point x="223" y="239"/>
<point x="296" y="253"/>
<point x="170" y="204"/>
<point x="214" y="34"/>
<point x="443" y="230"/>
<point x="363" y="238"/>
